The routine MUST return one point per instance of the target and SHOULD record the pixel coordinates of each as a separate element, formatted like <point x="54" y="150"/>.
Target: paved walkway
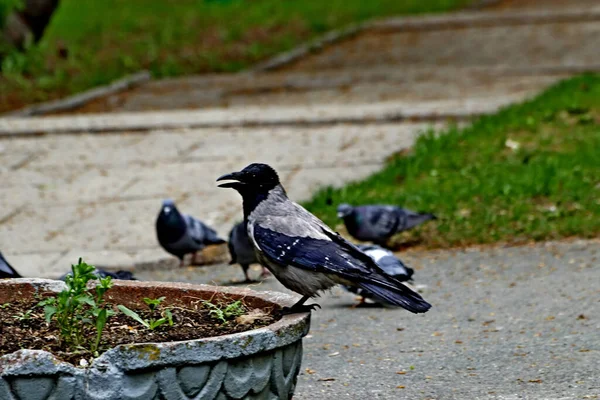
<point x="90" y="185"/>
<point x="506" y="324"/>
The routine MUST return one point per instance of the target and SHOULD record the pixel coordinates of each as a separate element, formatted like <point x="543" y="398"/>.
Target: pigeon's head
<point x="169" y="215"/>
<point x="344" y="210"/>
<point x="255" y="178"/>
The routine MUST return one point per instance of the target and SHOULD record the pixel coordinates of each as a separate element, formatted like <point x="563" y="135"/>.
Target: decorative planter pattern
<point x="257" y="364"/>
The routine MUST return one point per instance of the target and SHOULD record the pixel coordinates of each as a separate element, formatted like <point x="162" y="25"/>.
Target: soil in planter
<point x="21" y="328"/>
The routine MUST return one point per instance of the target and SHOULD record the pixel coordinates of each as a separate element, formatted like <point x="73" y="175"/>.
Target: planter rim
<point x="137" y="356"/>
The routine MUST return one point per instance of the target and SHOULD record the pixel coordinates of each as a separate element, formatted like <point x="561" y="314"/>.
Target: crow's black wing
<point x="318" y="255"/>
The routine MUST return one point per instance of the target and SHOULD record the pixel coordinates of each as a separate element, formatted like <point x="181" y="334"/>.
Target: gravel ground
<point x="506" y="323"/>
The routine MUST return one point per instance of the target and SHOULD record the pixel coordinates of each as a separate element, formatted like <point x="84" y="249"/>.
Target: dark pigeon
<point x="388" y="262"/>
<point x="242" y="250"/>
<point x="181" y="234"/>
<point x="100" y="273"/>
<point x="6" y="271"/>
<point x="302" y="252"/>
<point x="377" y="223"/>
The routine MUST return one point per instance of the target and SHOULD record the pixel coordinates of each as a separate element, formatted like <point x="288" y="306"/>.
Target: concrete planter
<point x="257" y="364"/>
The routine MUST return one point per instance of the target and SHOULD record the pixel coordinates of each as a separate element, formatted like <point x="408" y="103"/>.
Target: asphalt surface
<point x="506" y="323"/>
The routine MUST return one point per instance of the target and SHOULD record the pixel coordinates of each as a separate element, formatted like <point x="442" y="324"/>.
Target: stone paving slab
<point x="506" y="323"/>
<point x="350" y="85"/>
<point x="517" y="46"/>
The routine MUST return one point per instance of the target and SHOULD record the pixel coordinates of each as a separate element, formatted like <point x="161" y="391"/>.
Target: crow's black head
<point x="254" y="183"/>
<point x="255" y="178"/>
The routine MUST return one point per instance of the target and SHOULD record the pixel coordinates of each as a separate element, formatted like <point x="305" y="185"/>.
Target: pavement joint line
<point x="132" y="182"/>
<point x="481" y="19"/>
<point x="384" y="118"/>
<point x="100" y="201"/>
<point x="12" y="214"/>
<point x="79" y="99"/>
<point x="27" y="160"/>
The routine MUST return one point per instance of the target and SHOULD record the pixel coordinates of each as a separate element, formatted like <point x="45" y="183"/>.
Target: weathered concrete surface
<point x="506" y="323"/>
<point x="97" y="196"/>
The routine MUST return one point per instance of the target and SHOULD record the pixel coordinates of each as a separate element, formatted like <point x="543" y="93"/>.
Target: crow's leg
<point x="300" y="307"/>
<point x="361" y="303"/>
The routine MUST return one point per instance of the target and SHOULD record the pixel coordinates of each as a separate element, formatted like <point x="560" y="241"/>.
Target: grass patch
<point x="92" y="42"/>
<point x="529" y="172"/>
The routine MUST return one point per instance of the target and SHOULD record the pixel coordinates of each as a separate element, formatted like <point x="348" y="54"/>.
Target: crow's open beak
<point x="234" y="176"/>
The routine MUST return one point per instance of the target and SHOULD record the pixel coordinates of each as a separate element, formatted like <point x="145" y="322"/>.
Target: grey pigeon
<point x="302" y="252"/>
<point x="377" y="223"/>
<point x="181" y="234"/>
<point x="242" y="250"/>
<point x="388" y="262"/>
<point x="6" y="271"/>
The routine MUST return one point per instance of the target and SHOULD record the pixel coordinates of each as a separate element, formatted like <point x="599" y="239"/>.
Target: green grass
<point x="485" y="192"/>
<point x="106" y="39"/>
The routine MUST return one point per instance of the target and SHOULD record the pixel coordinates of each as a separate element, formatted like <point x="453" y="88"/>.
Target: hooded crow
<point x="377" y="223"/>
<point x="242" y="250"/>
<point x="302" y="252"/>
<point x="182" y="234"/>
<point x="6" y="271"/>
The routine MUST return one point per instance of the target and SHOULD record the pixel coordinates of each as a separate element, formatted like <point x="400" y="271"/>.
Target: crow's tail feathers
<point x="397" y="294"/>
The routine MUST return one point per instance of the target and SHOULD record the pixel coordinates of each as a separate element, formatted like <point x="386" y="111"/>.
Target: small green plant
<point x="225" y="314"/>
<point x="23" y="316"/>
<point x="76" y="307"/>
<point x="150" y="323"/>
<point x="153" y="303"/>
<point x="5" y="305"/>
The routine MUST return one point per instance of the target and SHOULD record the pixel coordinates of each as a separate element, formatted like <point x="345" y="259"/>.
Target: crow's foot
<point x="296" y="309"/>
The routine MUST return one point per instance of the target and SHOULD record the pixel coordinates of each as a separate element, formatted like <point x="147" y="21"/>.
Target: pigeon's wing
<point x="387" y="261"/>
<point x="195" y="229"/>
<point x="393" y="266"/>
<point x="6" y="271"/>
<point x="211" y="236"/>
<point x="336" y="257"/>
<point x="202" y="233"/>
<point x="382" y="221"/>
<point x="409" y="219"/>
